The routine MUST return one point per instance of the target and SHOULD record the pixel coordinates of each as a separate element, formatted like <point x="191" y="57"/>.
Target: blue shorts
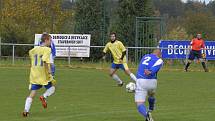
<point x="195" y="54"/>
<point x="36" y="86"/>
<point x="118" y="66"/>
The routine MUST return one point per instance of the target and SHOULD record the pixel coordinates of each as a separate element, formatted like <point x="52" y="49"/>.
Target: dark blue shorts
<point x="195" y="54"/>
<point x="117" y="66"/>
<point x="36" y="86"/>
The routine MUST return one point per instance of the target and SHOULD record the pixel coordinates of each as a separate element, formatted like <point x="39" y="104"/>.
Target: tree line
<point x="20" y="19"/>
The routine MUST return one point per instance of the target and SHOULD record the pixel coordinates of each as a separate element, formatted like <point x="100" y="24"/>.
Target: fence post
<point x="127" y="55"/>
<point x="0" y="47"/>
<point x="69" y="57"/>
<point x="13" y="54"/>
<point x="187" y="54"/>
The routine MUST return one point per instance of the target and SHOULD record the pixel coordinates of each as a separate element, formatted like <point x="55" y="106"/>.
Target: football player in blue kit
<point x="146" y="83"/>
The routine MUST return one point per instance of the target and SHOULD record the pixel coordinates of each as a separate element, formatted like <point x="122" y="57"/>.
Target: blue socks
<point x="151" y="101"/>
<point x="142" y="110"/>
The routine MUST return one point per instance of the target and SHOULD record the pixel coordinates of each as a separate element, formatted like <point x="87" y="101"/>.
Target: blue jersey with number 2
<point x="150" y="62"/>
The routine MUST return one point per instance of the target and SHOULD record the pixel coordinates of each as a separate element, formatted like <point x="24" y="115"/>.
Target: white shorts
<point x="51" y="59"/>
<point x="143" y="87"/>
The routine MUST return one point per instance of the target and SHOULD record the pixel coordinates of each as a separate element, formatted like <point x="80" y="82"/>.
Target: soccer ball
<point x="130" y="87"/>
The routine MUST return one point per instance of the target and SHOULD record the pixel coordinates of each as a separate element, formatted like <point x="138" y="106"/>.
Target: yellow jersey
<point x="38" y="56"/>
<point x="116" y="50"/>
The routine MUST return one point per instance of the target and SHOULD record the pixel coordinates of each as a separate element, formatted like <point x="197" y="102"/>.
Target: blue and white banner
<point x="182" y="52"/>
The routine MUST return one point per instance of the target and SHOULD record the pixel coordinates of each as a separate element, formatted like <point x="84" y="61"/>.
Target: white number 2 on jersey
<point x="146" y="60"/>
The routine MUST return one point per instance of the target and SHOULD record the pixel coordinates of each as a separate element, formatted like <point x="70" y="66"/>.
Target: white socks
<point x="133" y="77"/>
<point x="117" y="79"/>
<point x="49" y="92"/>
<point x="29" y="100"/>
<point x="28" y="103"/>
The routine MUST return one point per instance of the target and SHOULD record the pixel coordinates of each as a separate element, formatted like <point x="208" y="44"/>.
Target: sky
<point x="206" y="1"/>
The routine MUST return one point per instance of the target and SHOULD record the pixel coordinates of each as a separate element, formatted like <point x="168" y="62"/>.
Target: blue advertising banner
<point x="182" y="52"/>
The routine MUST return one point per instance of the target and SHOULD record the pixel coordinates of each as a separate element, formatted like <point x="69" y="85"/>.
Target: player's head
<point x="157" y="52"/>
<point x="46" y="39"/>
<point x="113" y="36"/>
<point x="198" y="36"/>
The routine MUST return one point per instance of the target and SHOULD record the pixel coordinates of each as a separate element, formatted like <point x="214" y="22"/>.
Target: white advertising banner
<point x="63" y="41"/>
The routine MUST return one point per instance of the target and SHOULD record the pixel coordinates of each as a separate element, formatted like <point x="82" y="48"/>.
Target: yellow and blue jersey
<point x="38" y="73"/>
<point x="116" y="50"/>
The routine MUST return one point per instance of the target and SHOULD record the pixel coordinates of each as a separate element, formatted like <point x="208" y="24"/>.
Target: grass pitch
<point x="91" y="95"/>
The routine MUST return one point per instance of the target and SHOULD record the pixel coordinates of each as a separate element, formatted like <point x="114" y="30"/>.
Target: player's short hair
<point x="156" y="50"/>
<point x="113" y="33"/>
<point x="45" y="36"/>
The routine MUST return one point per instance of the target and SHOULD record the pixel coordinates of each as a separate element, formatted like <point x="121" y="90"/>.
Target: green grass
<point x="91" y="95"/>
<point x="175" y="65"/>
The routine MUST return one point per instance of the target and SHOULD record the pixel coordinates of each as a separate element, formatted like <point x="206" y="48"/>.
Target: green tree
<point x="127" y="12"/>
<point x="211" y="7"/>
<point x="147" y="7"/>
<point x="125" y="22"/>
<point x="172" y="8"/>
<point x="89" y="19"/>
<point x="22" y="19"/>
<point x="195" y="6"/>
<point x="178" y="33"/>
<point x="200" y="23"/>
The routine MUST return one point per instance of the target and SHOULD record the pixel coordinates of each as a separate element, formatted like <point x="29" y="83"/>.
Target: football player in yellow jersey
<point x="118" y="52"/>
<point x="40" y="74"/>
